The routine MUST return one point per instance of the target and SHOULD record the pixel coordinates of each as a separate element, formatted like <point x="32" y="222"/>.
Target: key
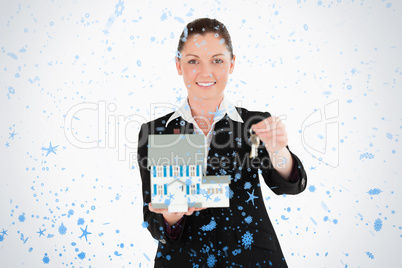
<point x="255" y="143"/>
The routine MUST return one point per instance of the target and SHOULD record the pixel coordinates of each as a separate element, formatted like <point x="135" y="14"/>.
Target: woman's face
<point x="205" y="64"/>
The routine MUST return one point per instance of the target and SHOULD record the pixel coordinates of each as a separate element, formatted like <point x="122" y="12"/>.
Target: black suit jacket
<point x="222" y="237"/>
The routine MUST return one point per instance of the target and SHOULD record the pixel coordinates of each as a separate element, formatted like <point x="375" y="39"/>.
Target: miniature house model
<point x="176" y="164"/>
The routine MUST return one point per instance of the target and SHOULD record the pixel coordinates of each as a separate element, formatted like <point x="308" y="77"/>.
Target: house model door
<point x="177" y="195"/>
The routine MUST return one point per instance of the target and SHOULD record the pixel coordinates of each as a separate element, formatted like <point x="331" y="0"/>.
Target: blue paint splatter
<point x="119" y="8"/>
<point x="374" y="191"/>
<point x="1" y="238"/>
<point x="46" y="259"/>
<point x="21" y="218"/>
<point x="117" y="253"/>
<point x="377" y="225"/>
<point x="62" y="229"/>
<point x="248" y="219"/>
<point x="228" y="192"/>
<point x="366" y="155"/>
<point x="210" y="226"/>
<point x="370" y="255"/>
<point x="312" y="188"/>
<point x="145" y="224"/>
<point x="70" y="212"/>
<point x="80" y="221"/>
<point x="163" y="16"/>
<point x="12" y="55"/>
<point x="247" y="185"/>
<point x="305" y="26"/>
<point x="81" y="255"/>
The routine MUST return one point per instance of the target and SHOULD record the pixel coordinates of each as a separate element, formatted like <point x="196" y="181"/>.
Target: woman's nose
<point x="205" y="71"/>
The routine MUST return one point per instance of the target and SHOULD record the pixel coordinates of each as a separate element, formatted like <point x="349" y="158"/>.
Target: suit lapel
<point x="181" y="126"/>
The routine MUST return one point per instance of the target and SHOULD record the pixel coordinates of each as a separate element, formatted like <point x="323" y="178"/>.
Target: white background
<point x="293" y="59"/>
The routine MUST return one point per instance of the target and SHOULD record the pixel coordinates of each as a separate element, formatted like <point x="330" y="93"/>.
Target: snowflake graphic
<point x="217" y="199"/>
<point x="248" y="219"/>
<point x="247" y="240"/>
<point x="80" y="221"/>
<point x="209" y="227"/>
<point x="377" y="225"/>
<point x="374" y="191"/>
<point x="389" y="136"/>
<point x="62" y="229"/>
<point x="247" y="185"/>
<point x="228" y="193"/>
<point x="366" y="155"/>
<point x="81" y="255"/>
<point x="119" y="8"/>
<point x="21" y="218"/>
<point x="370" y="255"/>
<point x="211" y="261"/>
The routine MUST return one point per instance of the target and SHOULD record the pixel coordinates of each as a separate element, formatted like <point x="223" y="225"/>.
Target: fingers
<point x="276" y="131"/>
<point x="269" y="123"/>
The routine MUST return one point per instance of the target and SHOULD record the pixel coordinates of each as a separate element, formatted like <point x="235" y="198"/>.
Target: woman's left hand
<point x="272" y="132"/>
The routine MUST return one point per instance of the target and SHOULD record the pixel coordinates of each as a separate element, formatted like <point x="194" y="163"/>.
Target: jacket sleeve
<point x="154" y="221"/>
<point x="278" y="184"/>
<point x="275" y="181"/>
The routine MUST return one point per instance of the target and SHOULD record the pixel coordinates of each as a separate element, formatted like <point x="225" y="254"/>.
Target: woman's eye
<point x="192" y="62"/>
<point x="218" y="61"/>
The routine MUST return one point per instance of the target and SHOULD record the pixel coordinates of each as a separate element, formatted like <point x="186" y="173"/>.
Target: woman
<point x="242" y="234"/>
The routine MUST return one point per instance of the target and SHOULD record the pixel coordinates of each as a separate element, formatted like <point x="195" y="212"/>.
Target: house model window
<point x="175" y="171"/>
<point x="160" y="189"/>
<point x="192" y="171"/>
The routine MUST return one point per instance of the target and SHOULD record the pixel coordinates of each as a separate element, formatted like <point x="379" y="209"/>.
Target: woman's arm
<point x="285" y="174"/>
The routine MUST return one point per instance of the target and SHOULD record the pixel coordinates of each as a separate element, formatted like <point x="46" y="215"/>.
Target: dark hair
<point x="203" y="26"/>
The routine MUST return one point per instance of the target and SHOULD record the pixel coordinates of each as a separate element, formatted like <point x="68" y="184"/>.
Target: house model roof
<point x="176" y="149"/>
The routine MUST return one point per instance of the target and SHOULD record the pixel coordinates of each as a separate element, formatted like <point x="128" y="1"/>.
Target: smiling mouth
<point x="205" y="84"/>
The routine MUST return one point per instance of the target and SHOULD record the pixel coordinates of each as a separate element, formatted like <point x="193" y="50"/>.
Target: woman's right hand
<point x="172" y="217"/>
